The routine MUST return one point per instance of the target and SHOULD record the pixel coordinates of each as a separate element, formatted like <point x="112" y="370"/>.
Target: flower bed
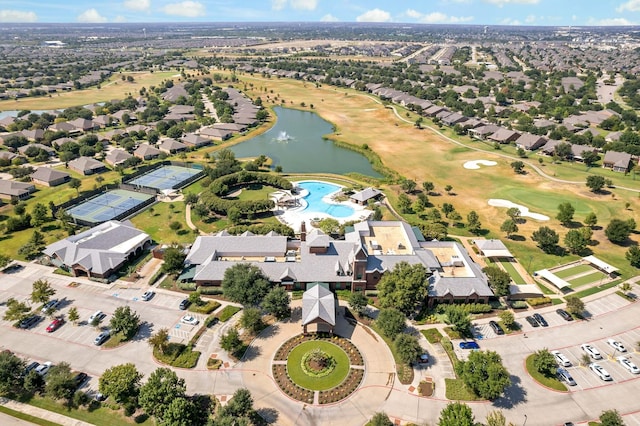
<point x="346" y="388"/>
<point x="287" y="386"/>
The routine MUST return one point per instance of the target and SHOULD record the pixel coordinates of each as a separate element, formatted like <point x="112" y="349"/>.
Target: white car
<point x="600" y="371"/>
<point x="616" y="345"/>
<point x="97" y="314"/>
<point x="51" y="304"/>
<point x="626" y="363"/>
<point x="592" y="351"/>
<point x="562" y="360"/>
<point x="43" y="369"/>
<point x="188" y="319"/>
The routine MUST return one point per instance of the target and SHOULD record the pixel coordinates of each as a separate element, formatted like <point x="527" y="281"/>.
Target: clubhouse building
<point x="357" y="263"/>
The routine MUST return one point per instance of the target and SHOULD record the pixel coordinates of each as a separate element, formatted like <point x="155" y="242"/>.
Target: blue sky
<point x="479" y="12"/>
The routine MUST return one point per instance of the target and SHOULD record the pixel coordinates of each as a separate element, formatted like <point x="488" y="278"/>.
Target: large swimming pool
<point x="315" y="204"/>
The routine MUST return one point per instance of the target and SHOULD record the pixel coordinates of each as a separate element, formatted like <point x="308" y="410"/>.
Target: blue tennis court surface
<point x="166" y="177"/>
<point x="108" y="206"/>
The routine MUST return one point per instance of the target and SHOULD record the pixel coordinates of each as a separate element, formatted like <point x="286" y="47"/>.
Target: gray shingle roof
<point x="318" y="303"/>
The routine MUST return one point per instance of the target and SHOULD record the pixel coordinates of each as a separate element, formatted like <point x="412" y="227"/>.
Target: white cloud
<point x="139" y="5"/>
<point x="329" y="18"/>
<point x="501" y="3"/>
<point x="119" y="18"/>
<point x="304" y="4"/>
<point x="92" y="16"/>
<point x="8" y="15"/>
<point x="631" y="6"/>
<point x="510" y="21"/>
<point x="278" y="4"/>
<point x="436" y="17"/>
<point x="374" y="15"/>
<point x="530" y="19"/>
<point x="610" y="22"/>
<point x="187" y="8"/>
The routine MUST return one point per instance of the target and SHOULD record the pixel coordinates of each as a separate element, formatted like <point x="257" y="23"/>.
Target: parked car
<point x="618" y="346"/>
<point x="12" y="268"/>
<point x="496" y="328"/>
<point x="626" y="363"/>
<point x="540" y="320"/>
<point x="423" y="359"/>
<point x="600" y="371"/>
<point x="564" y="376"/>
<point x="51" y="304"/>
<point x="43" y="369"/>
<point x="532" y="321"/>
<point x="188" y="319"/>
<point x="79" y="379"/>
<point x="55" y="324"/>
<point x="30" y="321"/>
<point x="32" y="366"/>
<point x="592" y="351"/>
<point x="562" y="360"/>
<point x="100" y="397"/>
<point x="101" y="338"/>
<point x="469" y="345"/>
<point x="564" y="314"/>
<point x="97" y="314"/>
<point x="148" y="295"/>
<point x="184" y="304"/>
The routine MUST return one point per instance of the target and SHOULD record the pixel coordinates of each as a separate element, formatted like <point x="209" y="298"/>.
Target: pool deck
<point x="294" y="216"/>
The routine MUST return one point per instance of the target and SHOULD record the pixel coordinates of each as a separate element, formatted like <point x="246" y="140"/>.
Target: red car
<point x="55" y="324"/>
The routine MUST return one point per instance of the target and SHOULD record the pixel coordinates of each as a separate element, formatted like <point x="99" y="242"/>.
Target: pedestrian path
<point x="42" y="413"/>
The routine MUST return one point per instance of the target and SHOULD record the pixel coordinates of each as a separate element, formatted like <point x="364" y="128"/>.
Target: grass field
<point x="511" y="270"/>
<point x="155" y="221"/>
<point x="587" y="279"/>
<point x="329" y="381"/>
<point x="27" y="417"/>
<point x="574" y="270"/>
<point x="550" y="382"/>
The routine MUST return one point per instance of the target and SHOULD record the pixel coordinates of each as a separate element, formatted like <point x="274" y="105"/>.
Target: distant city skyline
<point x="472" y="12"/>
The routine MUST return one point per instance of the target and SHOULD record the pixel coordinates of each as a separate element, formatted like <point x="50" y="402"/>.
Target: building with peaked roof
<point x="492" y="248"/>
<point x="357" y="263"/>
<point x="171" y="146"/>
<point x="47" y="176"/>
<point x="117" y="156"/>
<point x="194" y="140"/>
<point x="617" y="161"/>
<point x="100" y="251"/>
<point x="503" y="135"/>
<point x="11" y="190"/>
<point x="362" y="197"/>
<point x="87" y="166"/>
<point x="318" y="307"/>
<point x="146" y="152"/>
<point x="530" y="142"/>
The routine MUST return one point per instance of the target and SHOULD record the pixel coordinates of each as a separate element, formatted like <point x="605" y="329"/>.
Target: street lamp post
<point x="525" y="420"/>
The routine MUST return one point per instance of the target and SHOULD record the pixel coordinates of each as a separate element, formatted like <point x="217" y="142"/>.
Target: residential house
<point x="363" y="197"/>
<point x="453" y="119"/>
<point x="617" y="161"/>
<point x="102" y="121"/>
<point x="47" y="176"/>
<point x="482" y="132"/>
<point x="232" y="127"/>
<point x="503" y="135"/>
<point x="530" y="142"/>
<point x="577" y="151"/>
<point x="33" y="135"/>
<point x="87" y="166"/>
<point x="11" y="190"/>
<point x="117" y="157"/>
<point x="100" y="251"/>
<point x="84" y="125"/>
<point x="147" y="152"/>
<point x="46" y="148"/>
<point x="613" y="137"/>
<point x="64" y="126"/>
<point x="172" y="146"/>
<point x="216" y="133"/>
<point x="194" y="140"/>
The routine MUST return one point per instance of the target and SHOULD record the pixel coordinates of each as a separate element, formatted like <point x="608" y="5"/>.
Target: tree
<point x="484" y="374"/>
<point x="4" y="261"/>
<point x="408" y="186"/>
<point x="41" y="291"/>
<point x="75" y="184"/>
<point x="509" y="226"/>
<point x="35" y="244"/>
<point x="473" y="222"/>
<point x="230" y="341"/>
<point x="160" y="390"/>
<point x="517" y="166"/>
<point x="380" y="419"/>
<point x="277" y="303"/>
<point x="514" y="213"/>
<point x="591" y="219"/>
<point x="407" y="347"/>
<point x="73" y="315"/>
<point x="234" y="214"/>
<point x="391" y="322"/>
<point x="16" y="311"/>
<point x="496" y="418"/>
<point x="120" y="382"/>
<point x="611" y="418"/>
<point x="403" y="288"/>
<point x="565" y="213"/>
<point x="456" y="414"/>
<point x="329" y="225"/>
<point x="448" y="189"/>
<point x="251" y="320"/>
<point x="545" y="363"/>
<point x="191" y="198"/>
<point x="183" y="412"/>
<point x="617" y="231"/>
<point x="428" y="187"/>
<point x="575" y="241"/>
<point x="499" y="280"/>
<point x="11" y="374"/>
<point x="39" y="214"/>
<point x="125" y="321"/>
<point x="241" y="405"/>
<point x="575" y="305"/>
<point x="507" y="319"/>
<point x="245" y="283"/>
<point x="358" y="302"/>
<point x="404" y="203"/>
<point x="173" y="259"/>
<point x="159" y="340"/>
<point x="459" y="318"/>
<point x="195" y="299"/>
<point x="595" y="183"/>
<point x="633" y="256"/>
<point x="60" y="383"/>
<point x="33" y="382"/>
<point x="546" y="238"/>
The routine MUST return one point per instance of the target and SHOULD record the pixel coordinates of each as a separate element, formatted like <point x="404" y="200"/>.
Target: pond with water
<point x="295" y="143"/>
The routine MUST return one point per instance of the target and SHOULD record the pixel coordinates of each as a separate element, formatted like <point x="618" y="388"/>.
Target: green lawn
<point x="586" y="279"/>
<point x="255" y="192"/>
<point x="550" y="382"/>
<point x="227" y="312"/>
<point x="26" y="417"/>
<point x="458" y="391"/>
<point x="511" y="270"/>
<point x="575" y="270"/>
<point x="333" y="379"/>
<point x="156" y="219"/>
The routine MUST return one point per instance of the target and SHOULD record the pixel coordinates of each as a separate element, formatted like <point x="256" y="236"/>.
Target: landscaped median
<point x="548" y="382"/>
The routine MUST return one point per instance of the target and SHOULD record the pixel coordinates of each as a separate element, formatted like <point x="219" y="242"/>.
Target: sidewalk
<point x="41" y="413"/>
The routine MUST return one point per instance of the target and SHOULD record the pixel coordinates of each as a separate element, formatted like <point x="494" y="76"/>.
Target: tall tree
<point x="380" y="419"/>
<point x="358" y="302"/>
<point x="496" y="418"/>
<point x="245" y="283"/>
<point x="575" y="305"/>
<point x="514" y="213"/>
<point x="162" y="387"/>
<point x="611" y="418"/>
<point x="11" y="374"/>
<point x="484" y="374"/>
<point x="184" y="412"/>
<point x="173" y="259"/>
<point x="459" y="318"/>
<point x="565" y="213"/>
<point x="120" y="382"/>
<point x="41" y="291"/>
<point x="407" y="347"/>
<point x="575" y="241"/>
<point x="60" y="383"/>
<point x="617" y="231"/>
<point x="456" y="414"/>
<point x="391" y="322"/>
<point x="591" y="219"/>
<point x="473" y="222"/>
<point x="160" y="340"/>
<point x="595" y="183"/>
<point x="16" y="311"/>
<point x="546" y="238"/>
<point x="509" y="227"/>
<point x="251" y="320"/>
<point x="240" y="406"/>
<point x="125" y="321"/>
<point x="633" y="256"/>
<point x="277" y="302"/>
<point x="499" y="280"/>
<point x="73" y="316"/>
<point x="545" y="362"/>
<point x="404" y="288"/>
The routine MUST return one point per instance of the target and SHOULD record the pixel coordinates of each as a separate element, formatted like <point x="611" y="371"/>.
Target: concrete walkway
<point x="41" y="413"/>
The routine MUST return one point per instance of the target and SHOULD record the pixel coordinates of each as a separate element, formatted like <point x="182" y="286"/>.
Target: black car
<point x="564" y="314"/>
<point x="30" y="321"/>
<point x="496" y="328"/>
<point x="540" y="320"/>
<point x="184" y="304"/>
<point x="79" y="379"/>
<point x="532" y="321"/>
<point x="30" y="367"/>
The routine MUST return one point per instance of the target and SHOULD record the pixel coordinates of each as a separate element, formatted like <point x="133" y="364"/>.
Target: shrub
<point x="469" y="308"/>
<point x="227" y="312"/>
<point x="210" y="290"/>
<point x="187" y="286"/>
<point x="156" y="277"/>
<point x="538" y="301"/>
<point x="519" y="304"/>
<point x="207" y="308"/>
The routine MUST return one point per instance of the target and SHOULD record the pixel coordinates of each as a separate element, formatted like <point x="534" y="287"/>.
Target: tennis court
<point x="165" y="177"/>
<point x="109" y="205"/>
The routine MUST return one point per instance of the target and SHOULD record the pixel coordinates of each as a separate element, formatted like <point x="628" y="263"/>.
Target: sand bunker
<point x="524" y="211"/>
<point x="475" y="164"/>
